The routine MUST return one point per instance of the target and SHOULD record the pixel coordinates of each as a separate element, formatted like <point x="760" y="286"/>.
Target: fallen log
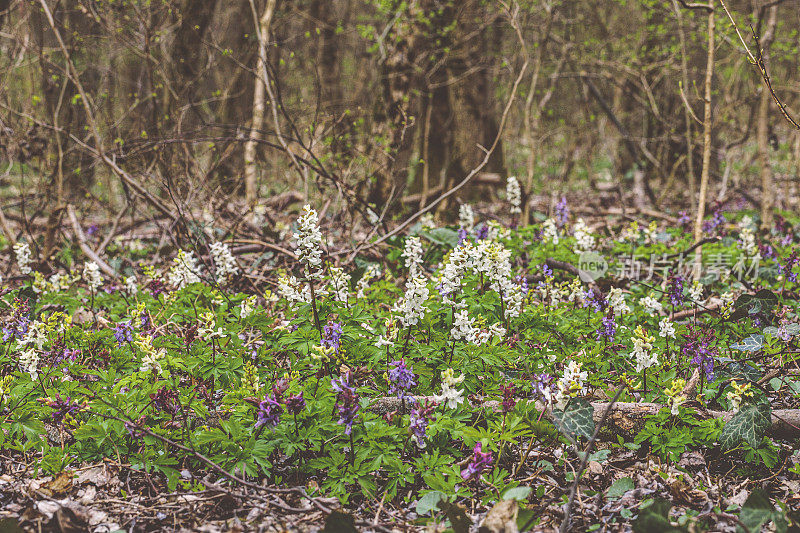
<point x="625" y="418"/>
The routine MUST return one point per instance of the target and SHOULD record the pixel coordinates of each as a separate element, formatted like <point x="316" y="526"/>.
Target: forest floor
<point x="622" y="488"/>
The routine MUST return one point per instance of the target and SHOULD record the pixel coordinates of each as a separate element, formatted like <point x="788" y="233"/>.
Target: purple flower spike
<point x="346" y="402"/>
<point x="401" y="378"/>
<point x="478" y="463"/>
<point x="269" y="412"/>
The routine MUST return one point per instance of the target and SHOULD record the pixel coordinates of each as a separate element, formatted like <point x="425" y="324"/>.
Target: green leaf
<point x="443" y="236"/>
<point x="748" y="425"/>
<point x="655" y="519"/>
<point x="429" y="501"/>
<point x="517" y="493"/>
<point x="577" y="419"/>
<point x="757" y="511"/>
<point x="619" y="487"/>
<point x="753" y="343"/>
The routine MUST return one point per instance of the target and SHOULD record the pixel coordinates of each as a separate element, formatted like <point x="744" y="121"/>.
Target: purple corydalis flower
<point x="421" y="416"/>
<point x="522" y="281"/>
<point x="401" y="378"/>
<point x="269" y="412"/>
<point x="295" y="404"/>
<point x="717" y="222"/>
<point x="123" y="332"/>
<point x="607" y="329"/>
<point x="482" y="233"/>
<point x="595" y="299"/>
<point x="331" y="336"/>
<point x="91" y="230"/>
<point x="17" y="329"/>
<point x="462" y="236"/>
<point x="544" y="386"/>
<point x="66" y="355"/>
<point x="509" y="401"/>
<point x="684" y="219"/>
<point x="165" y="400"/>
<point x="478" y="463"/>
<point x="562" y="212"/>
<point x="676" y="290"/>
<point x="547" y="271"/>
<point x="346" y="402"/>
<point x="698" y="347"/>
<point x="786" y="268"/>
<point x="63" y="407"/>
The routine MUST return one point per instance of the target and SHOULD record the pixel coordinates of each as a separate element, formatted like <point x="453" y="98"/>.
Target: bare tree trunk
<point x="259" y="106"/>
<point x="762" y="130"/>
<point x="687" y="111"/>
<point x="706" y="170"/>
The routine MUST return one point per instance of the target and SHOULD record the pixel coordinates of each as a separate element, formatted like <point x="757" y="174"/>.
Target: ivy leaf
<point x="753" y="343"/>
<point x="748" y="425"/>
<point x="757" y="511"/>
<point x="430" y="501"/>
<point x="443" y="236"/>
<point x="577" y="419"/>
<point x="619" y="488"/>
<point x="655" y="519"/>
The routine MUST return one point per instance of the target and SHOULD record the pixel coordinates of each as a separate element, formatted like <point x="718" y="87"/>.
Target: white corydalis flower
<point x="466" y="217"/>
<point x="411" y="306"/>
<point x="584" y="240"/>
<point x="339" y="284"/>
<point x="571" y="384"/>
<point x="651" y="305"/>
<point x="290" y="289"/>
<point x="412" y="253"/>
<point x="184" y="271"/>
<point x="642" y="349"/>
<point x="616" y="300"/>
<point x="747" y="238"/>
<point x="514" y="195"/>
<point x="224" y="261"/>
<point x="666" y="329"/>
<point x="450" y="395"/>
<point x="248" y="306"/>
<point x="29" y="362"/>
<point x="92" y="276"/>
<point x="371" y="272"/>
<point x="24" y="259"/>
<point x="309" y="240"/>
<point x="131" y="285"/>
<point x="550" y="231"/>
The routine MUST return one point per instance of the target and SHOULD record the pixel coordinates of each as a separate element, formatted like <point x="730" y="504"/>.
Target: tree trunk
<point x="259" y="106"/>
<point x="706" y="169"/>
<point x="762" y="129"/>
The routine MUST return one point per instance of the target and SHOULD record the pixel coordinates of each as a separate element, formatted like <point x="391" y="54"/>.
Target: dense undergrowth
<point x="374" y="381"/>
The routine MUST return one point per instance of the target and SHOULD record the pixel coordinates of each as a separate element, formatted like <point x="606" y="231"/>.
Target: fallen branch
<point x="626" y="417"/>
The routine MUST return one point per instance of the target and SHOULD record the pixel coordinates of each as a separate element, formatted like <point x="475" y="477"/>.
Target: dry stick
<point x="84" y="245"/>
<point x="758" y="61"/>
<point x="472" y="173"/>
<point x="99" y="150"/>
<point x="573" y="491"/>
